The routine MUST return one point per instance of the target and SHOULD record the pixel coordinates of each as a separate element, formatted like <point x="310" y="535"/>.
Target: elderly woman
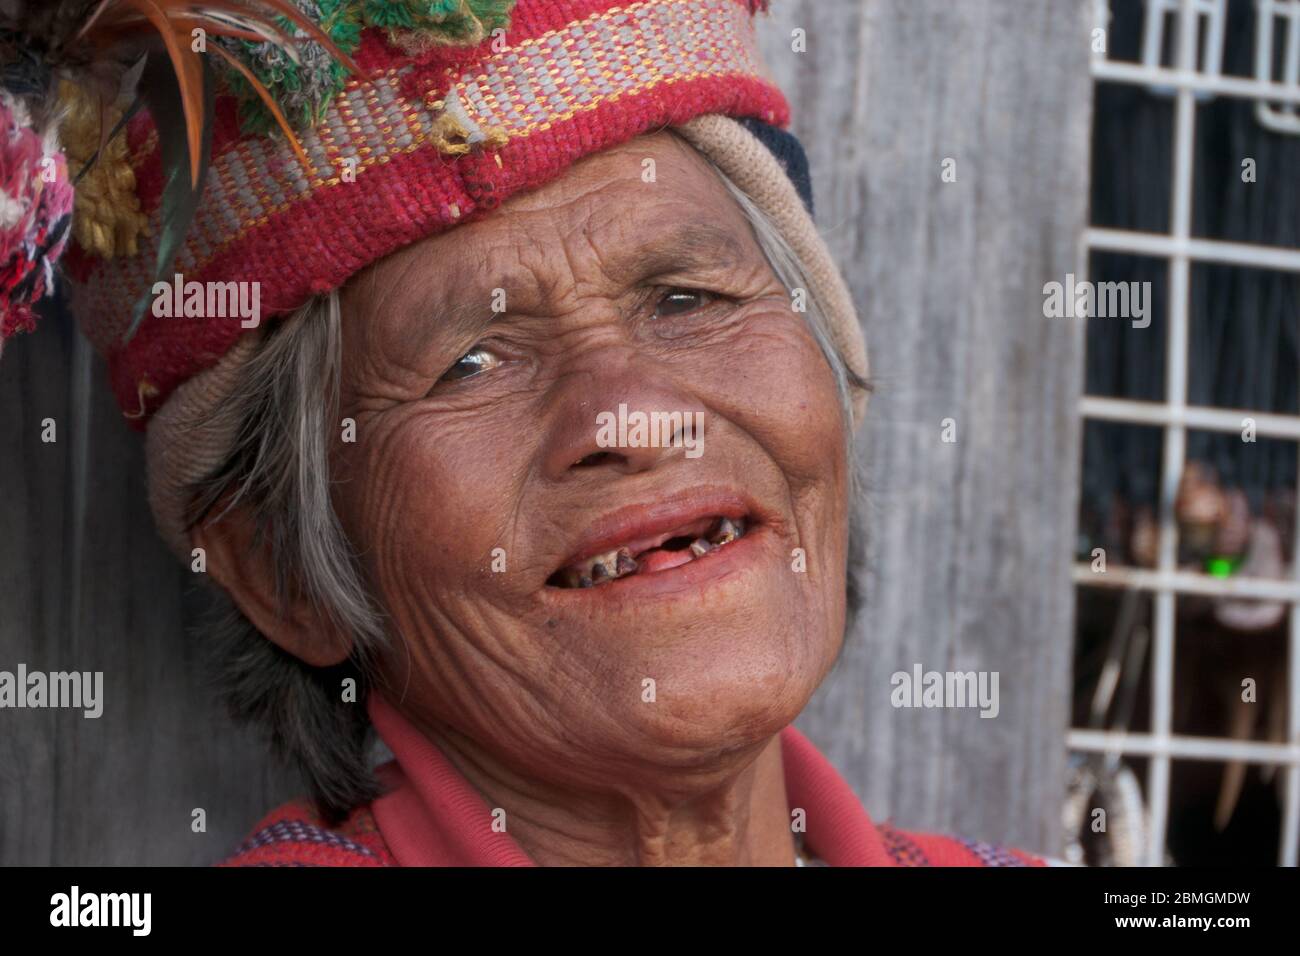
<point x="583" y="643"/>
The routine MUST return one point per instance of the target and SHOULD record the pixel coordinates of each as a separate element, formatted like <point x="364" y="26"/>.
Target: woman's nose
<point x="627" y="423"/>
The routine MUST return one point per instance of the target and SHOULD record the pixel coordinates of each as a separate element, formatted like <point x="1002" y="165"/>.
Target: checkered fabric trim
<point x="294" y="835"/>
<point x="299" y="831"/>
<point x="901" y="848"/>
<point x="993" y="855"/>
<point x="932" y="849"/>
<point x="528" y="110"/>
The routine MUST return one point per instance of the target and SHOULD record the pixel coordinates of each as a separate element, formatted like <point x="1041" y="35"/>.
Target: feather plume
<point x="108" y="57"/>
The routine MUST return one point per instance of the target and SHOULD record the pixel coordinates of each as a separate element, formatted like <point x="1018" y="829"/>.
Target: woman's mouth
<point x="696" y="540"/>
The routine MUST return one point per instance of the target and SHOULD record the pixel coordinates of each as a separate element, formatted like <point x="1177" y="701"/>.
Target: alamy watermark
<point x="75" y="908"/>
<point x="208" y="300"/>
<point x="1101" y="300"/>
<point x="944" y="689"/>
<point x="626" y="429"/>
<point x="60" y="689"/>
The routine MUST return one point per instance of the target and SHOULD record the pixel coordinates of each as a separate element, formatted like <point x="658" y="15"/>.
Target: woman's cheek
<point x="423" y="506"/>
<point x="779" y="388"/>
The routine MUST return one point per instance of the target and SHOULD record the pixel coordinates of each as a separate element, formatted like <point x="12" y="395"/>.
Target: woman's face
<point x="476" y="365"/>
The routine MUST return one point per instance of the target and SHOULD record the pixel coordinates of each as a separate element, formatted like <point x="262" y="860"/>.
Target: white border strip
<point x="1184" y="748"/>
<point x="1187" y="582"/>
<point x="1201" y="250"/>
<point x="1200" y="417"/>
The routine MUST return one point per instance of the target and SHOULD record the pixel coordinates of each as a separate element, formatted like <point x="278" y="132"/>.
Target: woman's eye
<point x="470" y="364"/>
<point x="681" y="301"/>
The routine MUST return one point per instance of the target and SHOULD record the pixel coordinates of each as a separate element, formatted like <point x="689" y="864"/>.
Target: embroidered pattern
<point x="991" y="855"/>
<point x="514" y="94"/>
<point x="901" y="849"/>
<point x="619" y="52"/>
<point x="299" y="831"/>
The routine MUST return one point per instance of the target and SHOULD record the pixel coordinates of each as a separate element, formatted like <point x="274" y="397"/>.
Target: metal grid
<point x="1187" y="78"/>
<point x="1284" y="15"/>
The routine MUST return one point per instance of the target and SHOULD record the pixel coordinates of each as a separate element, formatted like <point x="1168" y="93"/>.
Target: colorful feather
<point x="70" y="69"/>
<point x="35" y="210"/>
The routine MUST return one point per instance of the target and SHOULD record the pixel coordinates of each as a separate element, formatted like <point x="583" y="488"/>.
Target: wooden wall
<point x="86" y="585"/>
<point x="970" y="541"/>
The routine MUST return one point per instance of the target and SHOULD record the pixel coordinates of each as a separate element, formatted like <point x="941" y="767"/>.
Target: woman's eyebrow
<point x="679" y="248"/>
<point x="687" y="246"/>
<point x="425" y="322"/>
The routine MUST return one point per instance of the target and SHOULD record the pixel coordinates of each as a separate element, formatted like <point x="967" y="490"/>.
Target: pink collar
<point x="432" y="816"/>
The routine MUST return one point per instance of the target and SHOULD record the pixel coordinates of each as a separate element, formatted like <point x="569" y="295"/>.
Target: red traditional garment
<point x="432" y="816"/>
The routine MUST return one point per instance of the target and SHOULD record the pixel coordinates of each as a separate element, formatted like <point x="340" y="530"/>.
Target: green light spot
<point x="1220" y="567"/>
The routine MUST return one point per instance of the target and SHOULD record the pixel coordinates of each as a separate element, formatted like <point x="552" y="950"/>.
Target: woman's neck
<point x="745" y="821"/>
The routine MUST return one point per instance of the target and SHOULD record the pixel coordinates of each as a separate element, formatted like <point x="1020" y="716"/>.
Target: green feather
<point x="180" y="199"/>
<point x="304" y="90"/>
<point x="441" y="21"/>
<point x="387" y="15"/>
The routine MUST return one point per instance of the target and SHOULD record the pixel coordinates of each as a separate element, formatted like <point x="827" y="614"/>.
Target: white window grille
<point x="1186" y="76"/>
<point x="1163" y="14"/>
<point x="1284" y="15"/>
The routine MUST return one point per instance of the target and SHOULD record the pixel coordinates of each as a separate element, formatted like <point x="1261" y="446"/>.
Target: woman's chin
<point x="707" y="708"/>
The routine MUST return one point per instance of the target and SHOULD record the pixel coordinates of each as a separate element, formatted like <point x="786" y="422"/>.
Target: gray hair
<point x="283" y="411"/>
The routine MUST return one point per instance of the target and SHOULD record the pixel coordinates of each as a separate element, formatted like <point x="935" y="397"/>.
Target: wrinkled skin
<point x="616" y="291"/>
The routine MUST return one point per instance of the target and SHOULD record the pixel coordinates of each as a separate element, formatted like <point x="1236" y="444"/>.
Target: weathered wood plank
<point x="86" y="585"/>
<point x="970" y="541"/>
<point x="34" y="380"/>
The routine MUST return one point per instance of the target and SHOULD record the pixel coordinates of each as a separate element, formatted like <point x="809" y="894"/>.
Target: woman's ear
<point x="245" y="569"/>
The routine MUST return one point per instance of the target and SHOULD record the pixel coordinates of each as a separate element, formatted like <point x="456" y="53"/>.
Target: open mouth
<point x="693" y="541"/>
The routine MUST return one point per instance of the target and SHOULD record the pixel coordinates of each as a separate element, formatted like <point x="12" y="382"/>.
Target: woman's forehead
<point x="649" y="204"/>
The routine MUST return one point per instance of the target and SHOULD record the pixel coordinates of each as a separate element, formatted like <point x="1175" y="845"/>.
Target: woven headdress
<point x="451" y="107"/>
